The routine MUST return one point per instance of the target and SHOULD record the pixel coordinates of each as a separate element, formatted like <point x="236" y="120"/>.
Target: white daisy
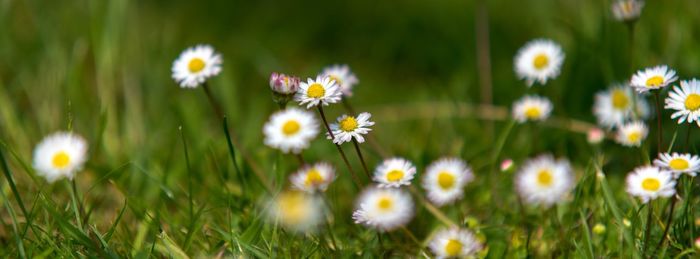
<point x="348" y="127"/>
<point x="544" y="181"/>
<point x="455" y="243"/>
<point x="538" y="61"/>
<point x="532" y="108"/>
<point x="632" y="134"/>
<point x="195" y="65"/>
<point x="650" y="182"/>
<point x="394" y="172"/>
<point x="322" y="91"/>
<point x="296" y="211"/>
<point x="627" y="10"/>
<point x="685" y="100"/>
<point x="614" y="106"/>
<point x="60" y="155"/>
<point x="284" y="84"/>
<point x="679" y="163"/>
<point x="653" y="78"/>
<point x="383" y="209"/>
<point x="342" y="76"/>
<point x="312" y="178"/>
<point x="445" y="179"/>
<point x="290" y="130"/>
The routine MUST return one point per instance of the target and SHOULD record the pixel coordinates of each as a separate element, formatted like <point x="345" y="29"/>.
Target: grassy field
<point x="162" y="181"/>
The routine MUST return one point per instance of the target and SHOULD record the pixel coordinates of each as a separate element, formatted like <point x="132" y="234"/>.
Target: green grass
<point x="166" y="177"/>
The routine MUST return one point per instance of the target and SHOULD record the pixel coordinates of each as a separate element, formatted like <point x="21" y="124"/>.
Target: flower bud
<point x="284" y="84"/>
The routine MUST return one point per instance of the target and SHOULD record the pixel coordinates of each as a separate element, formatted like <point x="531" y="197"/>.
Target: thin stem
<point x="410" y="235"/>
<point x="189" y="174"/>
<point x="300" y="157"/>
<point x="659" y="131"/>
<point x="362" y="159"/>
<point x="647" y="232"/>
<point x="328" y="221"/>
<point x="340" y="150"/>
<point x="214" y="104"/>
<point x="432" y="209"/>
<point x="74" y="201"/>
<point x="232" y="153"/>
<point x="669" y="221"/>
<point x="687" y="137"/>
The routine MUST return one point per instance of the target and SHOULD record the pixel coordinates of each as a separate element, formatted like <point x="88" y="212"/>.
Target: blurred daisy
<point x="342" y="76"/>
<point x="394" y="172"/>
<point x="679" y="163"/>
<point x="348" y="127"/>
<point x="444" y="180"/>
<point x="614" y="106"/>
<point x="650" y="182"/>
<point x="627" y="10"/>
<point x="632" y="134"/>
<point x="195" y="65"/>
<point x="383" y="209"/>
<point x="544" y="181"/>
<point x="685" y="100"/>
<point x="313" y="178"/>
<point x="296" y="211"/>
<point x="653" y="78"/>
<point x="290" y="130"/>
<point x="60" y="155"/>
<point x="284" y="84"/>
<point x="321" y="91"/>
<point x="455" y="243"/>
<point x="531" y="108"/>
<point x="538" y="61"/>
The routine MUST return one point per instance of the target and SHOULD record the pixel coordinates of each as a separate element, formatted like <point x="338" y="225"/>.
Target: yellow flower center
<point x="196" y="65"/>
<point x="678" y="164"/>
<point x="620" y="99"/>
<point x="316" y="91"/>
<point x="453" y="247"/>
<point x="651" y="184"/>
<point x="655" y="81"/>
<point x="348" y="124"/>
<point x="313" y="178"/>
<point x="394" y="175"/>
<point x="541" y="61"/>
<point x="532" y="113"/>
<point x="634" y="137"/>
<point x="290" y="127"/>
<point x="385" y="203"/>
<point x="692" y="102"/>
<point x="544" y="178"/>
<point x="336" y="79"/>
<point x="292" y="207"/>
<point x="446" y="180"/>
<point x="60" y="160"/>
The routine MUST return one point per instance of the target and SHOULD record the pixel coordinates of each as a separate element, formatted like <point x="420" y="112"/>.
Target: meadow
<point x="140" y="129"/>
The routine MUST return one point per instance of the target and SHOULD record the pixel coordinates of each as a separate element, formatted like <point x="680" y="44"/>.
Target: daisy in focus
<point x="313" y="178"/>
<point x="649" y="182"/>
<point x="538" y="61"/>
<point x="444" y="180"/>
<point x="383" y="208"/>
<point x="679" y="163"/>
<point x="394" y="172"/>
<point x="296" y="211"/>
<point x="60" y="155"/>
<point x="632" y="134"/>
<point x="627" y="10"/>
<point x="455" y="243"/>
<point x="319" y="91"/>
<point x="342" y="76"/>
<point x="615" y="106"/>
<point x="544" y="181"/>
<point x="348" y="127"/>
<point x="195" y="65"/>
<point x="685" y="100"/>
<point x="290" y="130"/>
<point x="531" y="108"/>
<point x="653" y="78"/>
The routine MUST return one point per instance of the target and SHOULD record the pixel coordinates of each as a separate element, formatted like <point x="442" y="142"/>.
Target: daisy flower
<point x="538" y="61"/>
<point x="60" y="155"/>
<point x="342" y="76"/>
<point x="284" y="84"/>
<point x="532" y="108"/>
<point x="444" y="180"/>
<point x="296" y="211"/>
<point x="383" y="209"/>
<point x="313" y="178"/>
<point x="679" y="163"/>
<point x="394" y="172"/>
<point x="653" y="78"/>
<point x="627" y="10"/>
<point x="685" y="100"/>
<point x="544" y="181"/>
<point x="650" y="182"/>
<point x="348" y="127"/>
<point x="615" y="106"/>
<point x="195" y="65"/>
<point x="632" y="134"/>
<point x="290" y="130"/>
<point x="455" y="243"/>
<point x="322" y="90"/>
